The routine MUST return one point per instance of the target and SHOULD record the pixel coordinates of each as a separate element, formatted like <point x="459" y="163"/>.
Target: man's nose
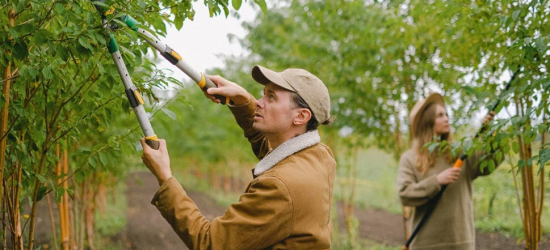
<point x="260" y="103"/>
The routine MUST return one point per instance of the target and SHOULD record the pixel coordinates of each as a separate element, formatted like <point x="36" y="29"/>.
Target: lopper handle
<point x="152" y="141"/>
<point x="206" y="83"/>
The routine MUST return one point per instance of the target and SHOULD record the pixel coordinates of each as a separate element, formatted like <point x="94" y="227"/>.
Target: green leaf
<point x="92" y="162"/>
<point x="541" y="45"/>
<point x="483" y="165"/>
<point x="521" y="162"/>
<point x="178" y="21"/>
<point x="14" y="33"/>
<point x="499" y="155"/>
<point x="491" y="166"/>
<point x="59" y="8"/>
<point x="515" y="147"/>
<point x="59" y="192"/>
<point x="79" y="176"/>
<point x="103" y="158"/>
<point x="169" y="113"/>
<point x="515" y="15"/>
<point x="468" y="145"/>
<point x="84" y="42"/>
<point x="47" y="72"/>
<point x="39" y="38"/>
<point x="236" y="4"/>
<point x="20" y="50"/>
<point x="41" y="193"/>
<point x="544" y="156"/>
<point x="262" y="4"/>
<point x="41" y="178"/>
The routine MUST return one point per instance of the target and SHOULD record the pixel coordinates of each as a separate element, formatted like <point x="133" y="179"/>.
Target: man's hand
<point x="448" y="176"/>
<point x="488" y="118"/>
<point x="228" y="89"/>
<point x="157" y="161"/>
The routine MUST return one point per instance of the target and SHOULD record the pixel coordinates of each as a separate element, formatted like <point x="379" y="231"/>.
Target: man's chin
<point x="257" y="127"/>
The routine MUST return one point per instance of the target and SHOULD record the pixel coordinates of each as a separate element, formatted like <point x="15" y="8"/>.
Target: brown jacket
<point x="451" y="225"/>
<point x="286" y="206"/>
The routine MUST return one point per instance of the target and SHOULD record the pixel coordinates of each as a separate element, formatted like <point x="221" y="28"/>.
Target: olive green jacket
<point x="286" y="206"/>
<point x="451" y="225"/>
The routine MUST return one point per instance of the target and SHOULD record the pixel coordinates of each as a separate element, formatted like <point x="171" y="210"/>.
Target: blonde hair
<point x="424" y="134"/>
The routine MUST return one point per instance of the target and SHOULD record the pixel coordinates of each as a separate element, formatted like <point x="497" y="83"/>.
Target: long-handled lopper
<point x="166" y="51"/>
<point x="134" y="97"/>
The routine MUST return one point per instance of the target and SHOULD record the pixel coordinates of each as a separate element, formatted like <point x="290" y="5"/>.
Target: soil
<point x="147" y="230"/>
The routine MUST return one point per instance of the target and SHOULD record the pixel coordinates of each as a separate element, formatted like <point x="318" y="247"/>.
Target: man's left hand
<point x="157" y="161"/>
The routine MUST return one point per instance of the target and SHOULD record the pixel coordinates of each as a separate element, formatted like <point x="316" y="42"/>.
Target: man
<point x="287" y="204"/>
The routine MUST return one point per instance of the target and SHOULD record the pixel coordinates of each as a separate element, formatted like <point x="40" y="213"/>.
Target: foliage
<point x="379" y="58"/>
<point x="66" y="90"/>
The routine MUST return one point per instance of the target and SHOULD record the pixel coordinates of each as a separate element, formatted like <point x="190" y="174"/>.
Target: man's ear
<point x="303" y="117"/>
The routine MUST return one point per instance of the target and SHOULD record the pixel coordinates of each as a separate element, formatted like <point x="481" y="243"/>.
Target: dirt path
<point x="387" y="228"/>
<point x="147" y="230"/>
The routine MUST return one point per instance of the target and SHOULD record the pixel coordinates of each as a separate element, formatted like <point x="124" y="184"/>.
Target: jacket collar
<point x="287" y="149"/>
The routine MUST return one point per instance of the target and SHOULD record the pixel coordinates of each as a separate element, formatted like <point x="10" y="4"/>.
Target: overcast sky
<point x="201" y="41"/>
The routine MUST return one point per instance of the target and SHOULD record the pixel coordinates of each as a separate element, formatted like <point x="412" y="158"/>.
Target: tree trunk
<point x="348" y="206"/>
<point x="4" y="115"/>
<point x="17" y="215"/>
<point x="89" y="217"/>
<point x="37" y="185"/>
<point x="3" y="233"/>
<point x="531" y="219"/>
<point x="52" y="220"/>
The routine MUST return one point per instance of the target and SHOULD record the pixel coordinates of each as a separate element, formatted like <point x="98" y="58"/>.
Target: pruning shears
<point x="134" y="97"/>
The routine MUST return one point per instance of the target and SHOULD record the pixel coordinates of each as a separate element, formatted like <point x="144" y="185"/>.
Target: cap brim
<point x="264" y="76"/>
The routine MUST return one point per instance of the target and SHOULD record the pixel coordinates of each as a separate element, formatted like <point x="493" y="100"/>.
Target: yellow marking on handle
<point x="138" y="97"/>
<point x="175" y="55"/>
<point x="153" y="138"/>
<point x="458" y="163"/>
<point x="202" y="83"/>
<point x="110" y="11"/>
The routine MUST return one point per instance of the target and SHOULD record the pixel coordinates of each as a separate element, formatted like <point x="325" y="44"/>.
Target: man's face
<point x="274" y="111"/>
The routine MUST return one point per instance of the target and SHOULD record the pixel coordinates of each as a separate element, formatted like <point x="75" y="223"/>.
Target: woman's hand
<point x="448" y="176"/>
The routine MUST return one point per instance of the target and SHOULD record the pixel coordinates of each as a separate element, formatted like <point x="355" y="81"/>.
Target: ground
<point x="147" y="230"/>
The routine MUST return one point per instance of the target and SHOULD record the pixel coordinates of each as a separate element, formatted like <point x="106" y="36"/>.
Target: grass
<point x="496" y="206"/>
<point x="376" y="181"/>
<point x="495" y="200"/>
<point x="112" y="221"/>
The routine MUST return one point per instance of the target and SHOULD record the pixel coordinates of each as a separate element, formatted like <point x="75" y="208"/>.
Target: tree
<point x="60" y="88"/>
<point x="379" y="58"/>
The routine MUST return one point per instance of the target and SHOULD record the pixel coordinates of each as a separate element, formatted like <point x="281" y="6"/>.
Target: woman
<point x="422" y="174"/>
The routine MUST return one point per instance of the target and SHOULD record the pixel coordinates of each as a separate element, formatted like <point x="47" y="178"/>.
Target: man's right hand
<point x="448" y="176"/>
<point x="228" y="89"/>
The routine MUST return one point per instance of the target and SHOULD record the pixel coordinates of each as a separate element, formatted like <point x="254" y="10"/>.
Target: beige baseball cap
<point x="420" y="106"/>
<point x="308" y="86"/>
